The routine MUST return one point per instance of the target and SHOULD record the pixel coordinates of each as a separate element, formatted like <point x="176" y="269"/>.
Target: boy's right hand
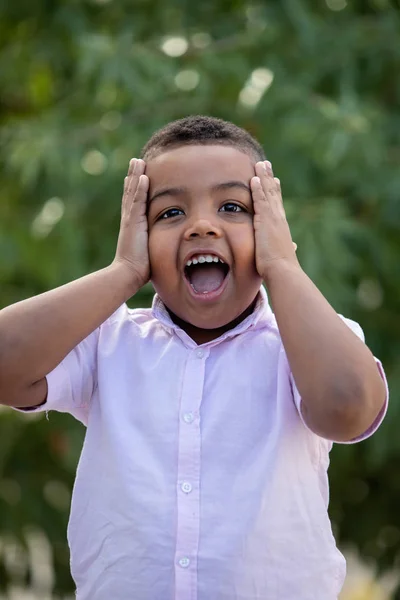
<point x="132" y="247"/>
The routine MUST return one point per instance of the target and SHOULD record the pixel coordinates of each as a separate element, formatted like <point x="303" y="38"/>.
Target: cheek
<point x="162" y="250"/>
<point x="157" y="239"/>
<point x="244" y="245"/>
<point x="154" y="252"/>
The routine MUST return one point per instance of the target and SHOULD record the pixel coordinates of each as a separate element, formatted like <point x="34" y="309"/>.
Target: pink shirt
<point x="198" y="479"/>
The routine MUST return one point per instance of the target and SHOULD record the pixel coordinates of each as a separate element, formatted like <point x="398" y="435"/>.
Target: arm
<point x="37" y="333"/>
<point x="336" y="375"/>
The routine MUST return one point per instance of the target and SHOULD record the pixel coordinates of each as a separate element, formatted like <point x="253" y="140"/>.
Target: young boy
<point x="203" y="475"/>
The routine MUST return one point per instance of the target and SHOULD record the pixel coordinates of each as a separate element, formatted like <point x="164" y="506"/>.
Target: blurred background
<point x="83" y="84"/>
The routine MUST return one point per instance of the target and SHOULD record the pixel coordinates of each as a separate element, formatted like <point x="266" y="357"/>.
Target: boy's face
<point x="200" y="205"/>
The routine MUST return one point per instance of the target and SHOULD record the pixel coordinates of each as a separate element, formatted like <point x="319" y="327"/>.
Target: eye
<point x="231" y="207"/>
<point x="170" y="213"/>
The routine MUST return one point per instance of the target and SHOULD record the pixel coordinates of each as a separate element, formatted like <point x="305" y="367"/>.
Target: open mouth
<point x="206" y="273"/>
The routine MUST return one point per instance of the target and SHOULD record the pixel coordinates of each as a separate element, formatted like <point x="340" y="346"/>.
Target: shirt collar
<point x="261" y="317"/>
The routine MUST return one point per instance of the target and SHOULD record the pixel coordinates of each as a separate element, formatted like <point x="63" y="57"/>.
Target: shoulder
<point x="261" y="341"/>
<point x="136" y="318"/>
<point x="267" y="330"/>
<point x="135" y="321"/>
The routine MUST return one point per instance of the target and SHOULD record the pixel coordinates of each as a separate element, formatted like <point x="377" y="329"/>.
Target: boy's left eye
<point x="231" y="207"/>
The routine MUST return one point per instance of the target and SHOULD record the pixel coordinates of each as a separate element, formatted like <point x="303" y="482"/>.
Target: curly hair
<point x="201" y="130"/>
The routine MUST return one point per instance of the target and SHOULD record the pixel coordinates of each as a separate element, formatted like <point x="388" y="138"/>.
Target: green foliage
<point x="84" y="84"/>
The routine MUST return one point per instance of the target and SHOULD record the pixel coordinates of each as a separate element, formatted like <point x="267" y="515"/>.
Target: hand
<point x="132" y="247"/>
<point x="274" y="243"/>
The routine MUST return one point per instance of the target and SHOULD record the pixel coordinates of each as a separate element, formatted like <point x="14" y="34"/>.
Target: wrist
<point x="280" y="268"/>
<point x="125" y="278"/>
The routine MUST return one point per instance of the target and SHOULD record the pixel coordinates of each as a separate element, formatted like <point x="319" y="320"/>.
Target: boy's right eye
<point x="171" y="212"/>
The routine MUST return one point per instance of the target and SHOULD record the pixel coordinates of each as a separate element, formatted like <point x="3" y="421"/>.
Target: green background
<point x="83" y="86"/>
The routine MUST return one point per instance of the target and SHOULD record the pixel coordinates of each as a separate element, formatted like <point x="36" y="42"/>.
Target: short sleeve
<point x="72" y="383"/>
<point x="355" y="327"/>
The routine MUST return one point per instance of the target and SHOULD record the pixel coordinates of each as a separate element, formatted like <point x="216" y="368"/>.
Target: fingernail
<point x="268" y="164"/>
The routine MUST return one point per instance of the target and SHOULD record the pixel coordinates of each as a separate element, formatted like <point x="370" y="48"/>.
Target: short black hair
<point x="201" y="130"/>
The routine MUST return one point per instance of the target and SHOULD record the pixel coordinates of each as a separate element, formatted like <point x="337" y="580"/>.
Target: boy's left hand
<point x="273" y="241"/>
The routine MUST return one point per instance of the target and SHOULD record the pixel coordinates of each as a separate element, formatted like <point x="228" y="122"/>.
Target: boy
<point x="209" y="419"/>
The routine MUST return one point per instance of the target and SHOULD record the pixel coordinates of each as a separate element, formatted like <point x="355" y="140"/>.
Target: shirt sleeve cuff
<point x="58" y="388"/>
<point x="375" y="425"/>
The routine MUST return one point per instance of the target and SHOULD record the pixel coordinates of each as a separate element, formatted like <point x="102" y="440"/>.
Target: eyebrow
<point x="179" y="191"/>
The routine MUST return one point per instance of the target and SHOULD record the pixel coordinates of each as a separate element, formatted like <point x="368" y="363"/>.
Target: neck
<point x="202" y="336"/>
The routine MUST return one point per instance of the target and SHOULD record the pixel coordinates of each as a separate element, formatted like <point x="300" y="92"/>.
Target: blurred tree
<point x="83" y="86"/>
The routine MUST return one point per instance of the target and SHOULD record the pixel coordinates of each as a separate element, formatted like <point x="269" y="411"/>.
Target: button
<point x="184" y="562"/>
<point x="199" y="353"/>
<point x="188" y="417"/>
<point x="186" y="487"/>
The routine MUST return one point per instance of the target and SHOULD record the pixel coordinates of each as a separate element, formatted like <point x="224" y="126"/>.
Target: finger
<point x="128" y="183"/>
<point x="140" y="167"/>
<point x="261" y="170"/>
<point x="131" y="168"/>
<point x="135" y="170"/>
<point x="274" y="184"/>
<point x="275" y="192"/>
<point x="279" y="199"/>
<point x="139" y="202"/>
<point x="125" y="195"/>
<point x="142" y="188"/>
<point x="259" y="200"/>
<point x="137" y="167"/>
<point x="132" y="164"/>
<point x="270" y="186"/>
<point x="295" y="246"/>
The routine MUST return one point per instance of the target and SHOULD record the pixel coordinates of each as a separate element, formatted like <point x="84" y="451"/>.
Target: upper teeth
<point x="202" y="258"/>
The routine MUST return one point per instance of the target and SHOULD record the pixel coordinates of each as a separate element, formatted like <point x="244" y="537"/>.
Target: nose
<point x="202" y="228"/>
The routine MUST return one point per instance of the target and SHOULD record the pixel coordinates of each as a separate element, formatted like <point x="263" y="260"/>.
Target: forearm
<point x="335" y="373"/>
<point x="37" y="333"/>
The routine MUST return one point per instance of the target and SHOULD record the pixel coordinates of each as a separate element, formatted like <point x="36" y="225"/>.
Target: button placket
<point x="188" y="500"/>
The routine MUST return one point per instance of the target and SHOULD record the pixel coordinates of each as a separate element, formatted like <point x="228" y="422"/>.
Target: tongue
<point x="206" y="278"/>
